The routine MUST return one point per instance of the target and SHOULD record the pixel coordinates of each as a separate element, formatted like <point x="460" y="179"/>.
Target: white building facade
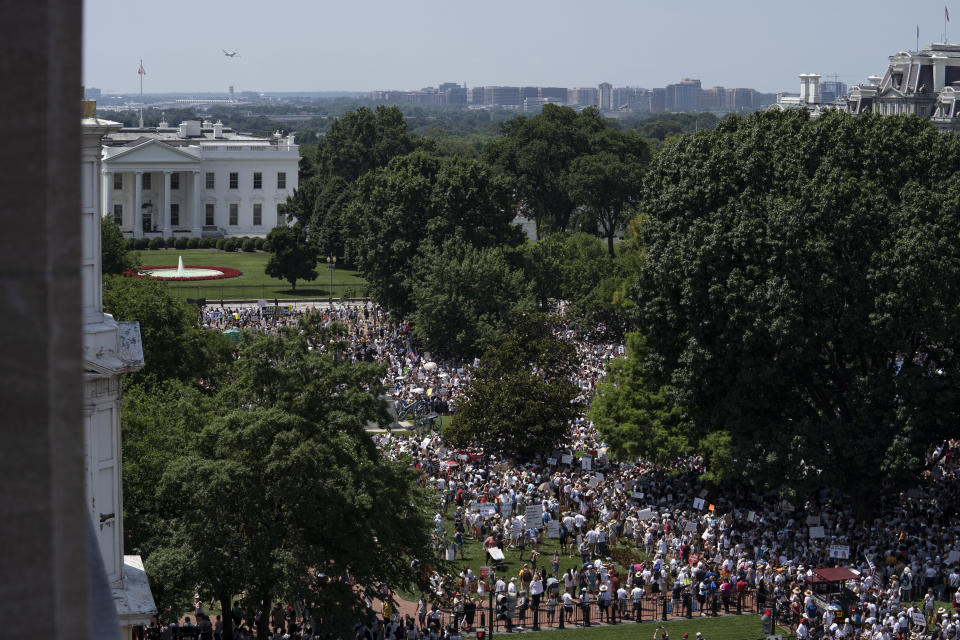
<point x="110" y="349"/>
<point x="196" y="180"/>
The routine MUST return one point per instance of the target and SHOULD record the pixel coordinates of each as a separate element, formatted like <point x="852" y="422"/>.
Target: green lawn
<point x="254" y="284"/>
<point x="745" y="627"/>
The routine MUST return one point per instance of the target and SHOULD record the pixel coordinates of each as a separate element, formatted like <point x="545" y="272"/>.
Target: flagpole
<point x="140" y="73"/>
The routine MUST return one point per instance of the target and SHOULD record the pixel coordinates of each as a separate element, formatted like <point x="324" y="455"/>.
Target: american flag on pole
<point x="141" y="71"/>
<point x="874" y="573"/>
<point x="946" y="13"/>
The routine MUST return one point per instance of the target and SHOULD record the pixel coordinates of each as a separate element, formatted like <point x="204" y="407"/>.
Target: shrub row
<point x="244" y="243"/>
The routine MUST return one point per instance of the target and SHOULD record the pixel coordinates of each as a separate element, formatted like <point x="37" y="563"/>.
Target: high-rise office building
<point x="684" y="96"/>
<point x="605" y="93"/>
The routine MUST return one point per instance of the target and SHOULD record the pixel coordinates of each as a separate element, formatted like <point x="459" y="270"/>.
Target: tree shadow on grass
<point x="317" y="293"/>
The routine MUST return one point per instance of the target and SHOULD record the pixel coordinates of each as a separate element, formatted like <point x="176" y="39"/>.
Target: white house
<point x="110" y="349"/>
<point x="196" y="180"/>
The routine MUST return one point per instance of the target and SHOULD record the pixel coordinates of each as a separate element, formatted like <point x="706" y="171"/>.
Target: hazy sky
<point x="326" y="45"/>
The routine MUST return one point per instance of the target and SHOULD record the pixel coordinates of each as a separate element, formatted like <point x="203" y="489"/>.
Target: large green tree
<point x="536" y="154"/>
<point x="358" y="142"/>
<point x="521" y="400"/>
<point x="607" y="186"/>
<point x="633" y="415"/>
<point x="292" y="255"/>
<point x="420" y="199"/>
<point x="463" y="297"/>
<point x="801" y="291"/>
<point x="282" y="492"/>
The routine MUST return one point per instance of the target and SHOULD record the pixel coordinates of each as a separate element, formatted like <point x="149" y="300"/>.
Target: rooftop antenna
<point x="918" y="38"/>
<point x="141" y="73"/>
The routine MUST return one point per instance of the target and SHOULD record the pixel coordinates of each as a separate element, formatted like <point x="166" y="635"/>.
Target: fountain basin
<point x="189" y="272"/>
<point x="182" y="273"/>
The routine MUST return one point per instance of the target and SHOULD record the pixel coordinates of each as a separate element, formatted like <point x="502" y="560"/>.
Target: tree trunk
<point x="293" y="285"/>
<point x="610" y="244"/>
<point x="226" y="612"/>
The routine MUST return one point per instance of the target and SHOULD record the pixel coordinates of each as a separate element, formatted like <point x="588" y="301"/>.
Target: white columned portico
<point x="166" y="204"/>
<point x="138" y="204"/>
<point x="107" y="189"/>
<point x="197" y="214"/>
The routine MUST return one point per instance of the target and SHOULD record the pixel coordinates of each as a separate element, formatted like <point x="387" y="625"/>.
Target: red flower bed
<point x="227" y="272"/>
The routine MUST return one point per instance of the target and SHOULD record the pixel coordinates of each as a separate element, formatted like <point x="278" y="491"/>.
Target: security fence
<point x="499" y="614"/>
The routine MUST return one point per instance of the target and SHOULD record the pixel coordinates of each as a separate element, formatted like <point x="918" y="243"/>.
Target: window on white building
<point x="174" y="214"/>
<point x="257" y="180"/>
<point x="210" y="180"/>
<point x="209" y="215"/>
<point x="234" y="180"/>
<point x="174" y="180"/>
<point x="281" y="180"/>
<point x="118" y="181"/>
<point x="234" y="214"/>
<point x="257" y="214"/>
<point x="147" y="183"/>
<point x="118" y="214"/>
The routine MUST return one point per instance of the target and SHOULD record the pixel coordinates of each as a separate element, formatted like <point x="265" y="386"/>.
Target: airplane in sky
<point x="231" y="54"/>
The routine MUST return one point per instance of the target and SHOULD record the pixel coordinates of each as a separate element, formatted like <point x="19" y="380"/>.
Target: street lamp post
<point x="331" y="265"/>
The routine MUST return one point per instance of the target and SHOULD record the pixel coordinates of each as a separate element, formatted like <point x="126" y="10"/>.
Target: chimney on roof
<point x="218" y="129"/>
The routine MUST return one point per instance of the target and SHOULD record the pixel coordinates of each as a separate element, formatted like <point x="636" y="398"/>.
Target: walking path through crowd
<point x="694" y="547"/>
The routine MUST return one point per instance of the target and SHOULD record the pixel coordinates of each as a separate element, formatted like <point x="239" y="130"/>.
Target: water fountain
<point x="180" y="273"/>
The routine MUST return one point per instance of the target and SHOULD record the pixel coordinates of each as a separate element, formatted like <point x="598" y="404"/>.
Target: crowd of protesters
<point x="680" y="541"/>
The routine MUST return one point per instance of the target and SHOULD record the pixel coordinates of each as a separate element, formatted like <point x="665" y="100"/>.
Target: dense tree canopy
<point x="540" y="155"/>
<point x="463" y="297"/>
<point x="800" y="291"/>
<point x="420" y="199"/>
<point x="270" y="487"/>
<point x="633" y="415"/>
<point x="521" y="399"/>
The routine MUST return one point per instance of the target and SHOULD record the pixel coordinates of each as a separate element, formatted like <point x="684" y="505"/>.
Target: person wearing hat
<point x="603" y="604"/>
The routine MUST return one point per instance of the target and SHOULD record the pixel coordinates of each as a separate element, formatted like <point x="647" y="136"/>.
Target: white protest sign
<point x="752" y="517"/>
<point x="553" y="529"/>
<point x="786" y="506"/>
<point x="839" y="551"/>
<point x="813" y="520"/>
<point x="919" y="619"/>
<point x="599" y="475"/>
<point x="817" y="532"/>
<point x="586" y="463"/>
<point x="645" y="514"/>
<point x="594" y="482"/>
<point x="506" y="509"/>
<point x="566" y="459"/>
<point x="484" y="508"/>
<point x="618" y="486"/>
<point x="691" y="526"/>
<point x="552" y="461"/>
<point x="698" y="503"/>
<point x="533" y="516"/>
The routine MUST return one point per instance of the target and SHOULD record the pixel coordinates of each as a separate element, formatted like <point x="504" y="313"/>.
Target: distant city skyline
<point x="378" y="45"/>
